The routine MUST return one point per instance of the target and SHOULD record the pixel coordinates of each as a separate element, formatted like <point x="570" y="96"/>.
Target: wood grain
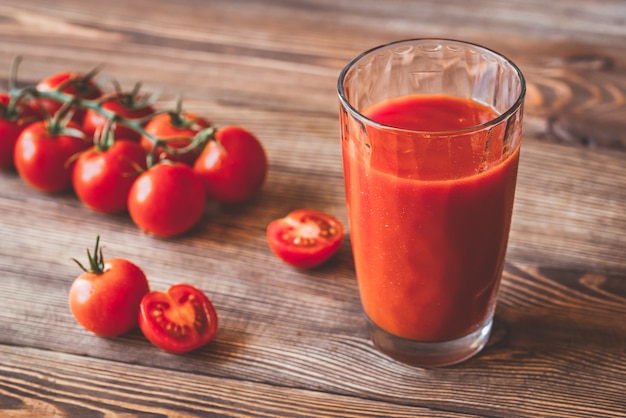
<point x="103" y="388"/>
<point x="291" y="342"/>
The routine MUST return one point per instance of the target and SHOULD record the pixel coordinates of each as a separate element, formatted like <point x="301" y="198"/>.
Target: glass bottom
<point x="430" y="354"/>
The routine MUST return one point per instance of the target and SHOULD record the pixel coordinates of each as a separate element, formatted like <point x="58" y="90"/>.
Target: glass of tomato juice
<point x="431" y="132"/>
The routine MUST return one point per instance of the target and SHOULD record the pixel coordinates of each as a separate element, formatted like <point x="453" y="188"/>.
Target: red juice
<point x="429" y="213"/>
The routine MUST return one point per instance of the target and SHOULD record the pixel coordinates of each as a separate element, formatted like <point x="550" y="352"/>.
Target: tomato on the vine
<point x="179" y="320"/>
<point x="44" y="154"/>
<point x="73" y="83"/>
<point x="130" y="106"/>
<point x="103" y="175"/>
<point x="305" y="238"/>
<point x="178" y="130"/>
<point x="233" y="166"/>
<point x="166" y="200"/>
<point x="14" y="117"/>
<point x="105" y="298"/>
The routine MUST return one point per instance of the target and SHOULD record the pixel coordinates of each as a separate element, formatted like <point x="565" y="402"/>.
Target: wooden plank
<point x="36" y="383"/>
<point x="568" y="211"/>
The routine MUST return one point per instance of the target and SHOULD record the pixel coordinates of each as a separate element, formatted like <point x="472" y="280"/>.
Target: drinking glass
<point x="430" y="194"/>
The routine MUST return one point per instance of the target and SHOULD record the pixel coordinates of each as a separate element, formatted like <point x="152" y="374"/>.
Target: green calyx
<point x="84" y="84"/>
<point x="10" y="111"/>
<point x="59" y="123"/>
<point x="96" y="260"/>
<point x="179" y="118"/>
<point x="104" y="139"/>
<point x="132" y="100"/>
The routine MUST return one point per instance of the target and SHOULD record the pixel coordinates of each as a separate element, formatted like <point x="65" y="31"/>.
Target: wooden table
<point x="294" y="343"/>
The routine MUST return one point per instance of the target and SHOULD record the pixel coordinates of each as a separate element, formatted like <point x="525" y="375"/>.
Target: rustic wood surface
<point x="293" y="343"/>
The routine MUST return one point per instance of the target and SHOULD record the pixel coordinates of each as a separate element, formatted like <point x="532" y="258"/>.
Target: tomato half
<point x="233" y="166"/>
<point x="102" y="178"/>
<point x="179" y="320"/>
<point x="305" y="238"/>
<point x="105" y="298"/>
<point x="167" y="200"/>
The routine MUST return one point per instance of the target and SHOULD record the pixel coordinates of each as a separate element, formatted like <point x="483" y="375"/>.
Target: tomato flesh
<point x="305" y="238"/>
<point x="179" y="320"/>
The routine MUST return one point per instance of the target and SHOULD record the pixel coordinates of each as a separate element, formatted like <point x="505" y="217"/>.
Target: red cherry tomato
<point x="13" y="120"/>
<point x="167" y="200"/>
<point x="127" y="105"/>
<point x="102" y="177"/>
<point x="305" y="238"/>
<point x="105" y="298"/>
<point x="178" y="129"/>
<point x="233" y="166"/>
<point x="44" y="155"/>
<point x="75" y="84"/>
<point x="179" y="320"/>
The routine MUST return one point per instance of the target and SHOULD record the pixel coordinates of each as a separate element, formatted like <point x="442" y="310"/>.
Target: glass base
<point x="430" y="354"/>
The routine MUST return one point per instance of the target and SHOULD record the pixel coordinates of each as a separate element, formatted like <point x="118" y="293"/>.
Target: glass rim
<point x="474" y="128"/>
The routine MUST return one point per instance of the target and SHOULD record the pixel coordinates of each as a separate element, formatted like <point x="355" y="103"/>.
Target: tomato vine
<point x="120" y="153"/>
<point x="70" y="101"/>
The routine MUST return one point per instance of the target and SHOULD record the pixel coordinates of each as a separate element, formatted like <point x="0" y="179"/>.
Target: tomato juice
<point x="430" y="188"/>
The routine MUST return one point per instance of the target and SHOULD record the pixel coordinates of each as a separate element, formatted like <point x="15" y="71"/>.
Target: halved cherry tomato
<point x="179" y="320"/>
<point x="105" y="298"/>
<point x="305" y="238"/>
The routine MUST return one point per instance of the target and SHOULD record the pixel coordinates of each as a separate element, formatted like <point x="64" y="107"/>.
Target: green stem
<point x="96" y="260"/>
<point x="137" y="125"/>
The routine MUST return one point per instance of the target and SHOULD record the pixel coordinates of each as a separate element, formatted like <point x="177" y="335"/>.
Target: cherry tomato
<point x="105" y="298"/>
<point x="75" y="84"/>
<point x="102" y="177"/>
<point x="127" y="105"/>
<point x="44" y="154"/>
<point x="233" y="166"/>
<point x="179" y="320"/>
<point x="13" y="119"/>
<point x="305" y="238"/>
<point x="167" y="200"/>
<point x="178" y="129"/>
